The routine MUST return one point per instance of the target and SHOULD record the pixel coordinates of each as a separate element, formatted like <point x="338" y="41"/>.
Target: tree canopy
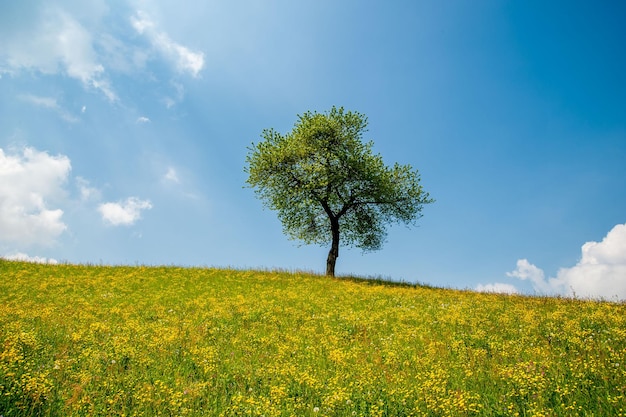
<point x="327" y="185"/>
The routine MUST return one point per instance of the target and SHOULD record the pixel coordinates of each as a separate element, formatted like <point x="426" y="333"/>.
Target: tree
<point x="326" y="184"/>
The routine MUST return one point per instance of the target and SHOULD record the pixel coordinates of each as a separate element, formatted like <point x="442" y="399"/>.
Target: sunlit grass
<point x="168" y="341"/>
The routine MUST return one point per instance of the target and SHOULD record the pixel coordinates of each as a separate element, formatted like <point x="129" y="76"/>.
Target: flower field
<point x="168" y="341"/>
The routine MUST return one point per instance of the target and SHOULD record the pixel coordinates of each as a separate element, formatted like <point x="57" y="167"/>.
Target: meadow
<point x="80" y="340"/>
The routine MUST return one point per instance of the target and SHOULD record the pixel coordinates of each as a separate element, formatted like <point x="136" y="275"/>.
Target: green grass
<point x="168" y="341"/>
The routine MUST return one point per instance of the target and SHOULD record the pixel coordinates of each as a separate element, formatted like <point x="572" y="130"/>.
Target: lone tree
<point x="325" y="183"/>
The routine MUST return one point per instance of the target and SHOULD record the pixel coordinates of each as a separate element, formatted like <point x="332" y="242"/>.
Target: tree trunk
<point x="333" y="254"/>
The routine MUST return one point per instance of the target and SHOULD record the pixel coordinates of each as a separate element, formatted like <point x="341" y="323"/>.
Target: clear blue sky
<point x="124" y="127"/>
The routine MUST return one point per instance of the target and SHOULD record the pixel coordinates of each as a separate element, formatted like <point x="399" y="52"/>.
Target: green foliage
<point x="166" y="341"/>
<point x="322" y="171"/>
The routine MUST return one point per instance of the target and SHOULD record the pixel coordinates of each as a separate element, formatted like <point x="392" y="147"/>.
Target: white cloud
<point x="527" y="271"/>
<point x="75" y="39"/>
<point x="28" y="183"/>
<point x="86" y="191"/>
<point x="171" y="176"/>
<point x="19" y="256"/>
<point x="497" y="287"/>
<point x="143" y="119"/>
<point x="74" y="49"/>
<point x="56" y="43"/>
<point x="600" y="273"/>
<point x="182" y="57"/>
<point x="124" y="213"/>
<point x="49" y="103"/>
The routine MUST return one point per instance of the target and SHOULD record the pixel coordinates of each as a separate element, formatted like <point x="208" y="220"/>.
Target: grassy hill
<point x="168" y="341"/>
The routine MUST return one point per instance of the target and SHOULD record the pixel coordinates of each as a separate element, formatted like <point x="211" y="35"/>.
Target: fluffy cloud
<point x="182" y="57"/>
<point x="75" y="39"/>
<point x="55" y="43"/>
<point x="529" y="272"/>
<point x="26" y="258"/>
<point x="124" y="213"/>
<point x="29" y="181"/>
<point x="600" y="273"/>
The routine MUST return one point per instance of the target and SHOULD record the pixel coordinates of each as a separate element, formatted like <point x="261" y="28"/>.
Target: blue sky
<point x="124" y="127"/>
